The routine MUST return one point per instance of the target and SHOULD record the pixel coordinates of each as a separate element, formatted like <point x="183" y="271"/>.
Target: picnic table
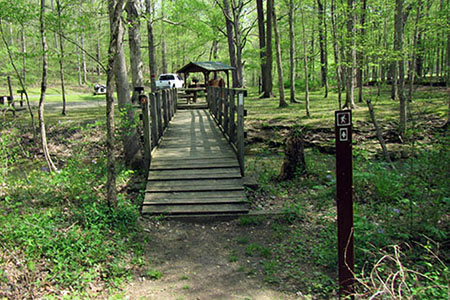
<point x="194" y="91"/>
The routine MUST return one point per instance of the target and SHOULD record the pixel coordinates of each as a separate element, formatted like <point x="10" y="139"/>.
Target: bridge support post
<point x="159" y="115"/>
<point x="154" y="118"/>
<point x="240" y="131"/>
<point x="144" y="100"/>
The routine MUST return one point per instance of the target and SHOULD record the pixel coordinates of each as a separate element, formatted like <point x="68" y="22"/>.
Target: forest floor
<point x="213" y="260"/>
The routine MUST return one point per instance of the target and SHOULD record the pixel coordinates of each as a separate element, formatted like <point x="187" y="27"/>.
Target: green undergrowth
<point x="57" y="232"/>
<point x="400" y="217"/>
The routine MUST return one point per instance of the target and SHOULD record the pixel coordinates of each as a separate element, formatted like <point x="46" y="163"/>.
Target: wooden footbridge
<point x="195" y="156"/>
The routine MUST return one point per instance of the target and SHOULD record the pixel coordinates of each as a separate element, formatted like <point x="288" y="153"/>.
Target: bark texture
<point x="294" y="156"/>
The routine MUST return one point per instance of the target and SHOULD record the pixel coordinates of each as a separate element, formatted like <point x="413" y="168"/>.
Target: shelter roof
<point x="205" y="66"/>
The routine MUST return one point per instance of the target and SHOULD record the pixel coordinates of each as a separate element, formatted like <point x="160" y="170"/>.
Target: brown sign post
<point x="344" y="181"/>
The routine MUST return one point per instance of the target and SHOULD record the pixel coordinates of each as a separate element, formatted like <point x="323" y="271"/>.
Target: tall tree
<point x="321" y="6"/>
<point x="291" y="50"/>
<point x="283" y="102"/>
<point x="134" y="38"/>
<point x="351" y="55"/>
<point x="129" y="136"/>
<point x="61" y="56"/>
<point x="262" y="41"/>
<point x="305" y="62"/>
<point x="337" y="62"/>
<point x="115" y="9"/>
<point x="151" y="44"/>
<point x="48" y="159"/>
<point x="398" y="47"/>
<point x="268" y="85"/>
<point x="360" y="54"/>
<point x="163" y="39"/>
<point x="412" y="64"/>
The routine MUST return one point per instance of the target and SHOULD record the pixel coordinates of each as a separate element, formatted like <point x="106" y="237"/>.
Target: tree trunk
<point x="268" y="86"/>
<point x="83" y="59"/>
<point x="351" y="55"/>
<point x="163" y="40"/>
<point x="61" y="58"/>
<point x="262" y="41"/>
<point x="236" y="10"/>
<point x="231" y="47"/>
<point x="80" y="79"/>
<point x="360" y="54"/>
<point x="47" y="156"/>
<point x="134" y="38"/>
<point x="412" y="64"/>
<point x="305" y="65"/>
<point x="378" y="131"/>
<point x="24" y="55"/>
<point x="294" y="156"/>
<point x="323" y="47"/>
<point x="151" y="45"/>
<point x="98" y="54"/>
<point x="129" y="136"/>
<point x="398" y="47"/>
<point x="115" y="9"/>
<point x="336" y="54"/>
<point x="292" y="51"/>
<point x="283" y="102"/>
<point x="55" y="35"/>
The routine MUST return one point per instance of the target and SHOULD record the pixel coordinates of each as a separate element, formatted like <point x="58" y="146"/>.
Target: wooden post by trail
<point x="144" y="100"/>
<point x="154" y="122"/>
<point x="240" y="131"/>
<point x="344" y="199"/>
<point x="159" y="114"/>
<point x="164" y="106"/>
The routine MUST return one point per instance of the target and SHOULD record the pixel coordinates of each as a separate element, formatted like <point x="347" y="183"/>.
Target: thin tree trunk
<point x="237" y="41"/>
<point x="323" y="46"/>
<point x="231" y="46"/>
<point x="130" y="138"/>
<point x="262" y="42"/>
<point x="24" y="55"/>
<point x="151" y="45"/>
<point x="134" y="38"/>
<point x="268" y="86"/>
<point x="48" y="159"/>
<point x="360" y="54"/>
<point x="292" y="51"/>
<point x="398" y="47"/>
<point x="80" y="82"/>
<point x="283" y="102"/>
<point x="378" y="131"/>
<point x="55" y="35"/>
<point x="351" y="55"/>
<point x="61" y="57"/>
<point x="83" y="59"/>
<point x="305" y="65"/>
<point x="412" y="65"/>
<point x="98" y="54"/>
<point x="163" y="40"/>
<point x="115" y="8"/>
<point x="336" y="54"/>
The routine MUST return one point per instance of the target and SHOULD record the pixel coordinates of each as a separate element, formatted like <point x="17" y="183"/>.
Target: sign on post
<point x="344" y="199"/>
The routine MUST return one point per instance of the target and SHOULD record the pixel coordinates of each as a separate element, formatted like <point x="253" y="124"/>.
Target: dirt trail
<point x="204" y="261"/>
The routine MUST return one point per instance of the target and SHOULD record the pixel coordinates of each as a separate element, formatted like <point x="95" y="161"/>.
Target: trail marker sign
<point x="344" y="200"/>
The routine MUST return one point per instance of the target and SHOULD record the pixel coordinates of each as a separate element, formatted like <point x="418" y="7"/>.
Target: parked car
<point x="169" y="80"/>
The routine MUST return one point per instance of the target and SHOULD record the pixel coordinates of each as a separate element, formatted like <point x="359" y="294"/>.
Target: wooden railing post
<point x="144" y="100"/>
<point x="164" y="104"/>
<point x="175" y="100"/>
<point x="220" y="103"/>
<point x="159" y="113"/>
<point x="154" y="122"/>
<point x="240" y="131"/>
<point x="232" y="119"/>
<point x="226" y="105"/>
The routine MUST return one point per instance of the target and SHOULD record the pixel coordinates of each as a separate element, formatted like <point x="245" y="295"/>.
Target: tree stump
<point x="294" y="156"/>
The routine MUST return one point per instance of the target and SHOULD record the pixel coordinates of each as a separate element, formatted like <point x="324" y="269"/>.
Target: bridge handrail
<point x="229" y="115"/>
<point x="158" y="109"/>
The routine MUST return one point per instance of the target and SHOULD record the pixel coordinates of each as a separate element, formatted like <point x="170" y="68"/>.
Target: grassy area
<point x="401" y="212"/>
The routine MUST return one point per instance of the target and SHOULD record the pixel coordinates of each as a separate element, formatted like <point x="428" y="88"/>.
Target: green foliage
<point x="60" y="222"/>
<point x="153" y="274"/>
